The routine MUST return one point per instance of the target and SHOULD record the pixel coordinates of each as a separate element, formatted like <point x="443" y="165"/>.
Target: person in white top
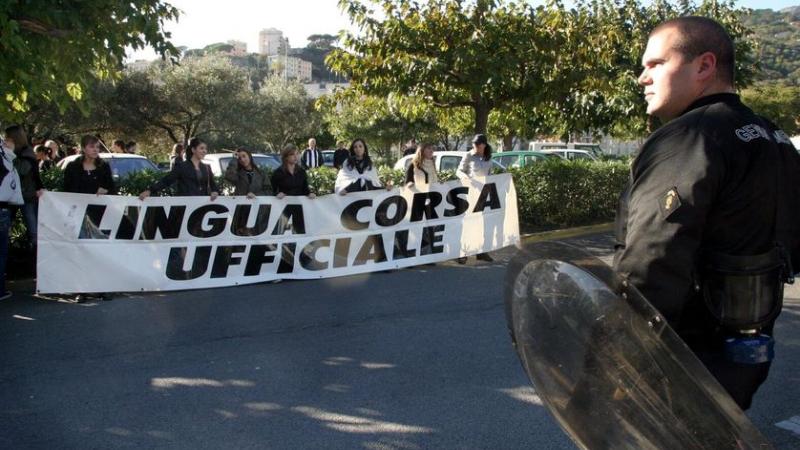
<point x="477" y="163"/>
<point x="422" y="170"/>
<point x="312" y="156"/>
<point x="357" y="173"/>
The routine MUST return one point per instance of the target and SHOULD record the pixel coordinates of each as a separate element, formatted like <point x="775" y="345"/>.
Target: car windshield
<point x="122" y="167"/>
<point x="449" y="162"/>
<point x="268" y="162"/>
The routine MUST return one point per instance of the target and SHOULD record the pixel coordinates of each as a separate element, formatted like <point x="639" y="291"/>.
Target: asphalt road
<point x="410" y="359"/>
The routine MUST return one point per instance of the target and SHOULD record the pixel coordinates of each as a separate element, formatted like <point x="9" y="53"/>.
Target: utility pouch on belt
<point x="745" y="292"/>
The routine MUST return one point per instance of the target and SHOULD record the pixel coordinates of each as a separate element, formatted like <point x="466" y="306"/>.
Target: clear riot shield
<point x="607" y="365"/>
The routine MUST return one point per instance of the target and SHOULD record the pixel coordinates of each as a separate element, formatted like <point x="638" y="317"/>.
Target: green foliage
<point x="778" y="38"/>
<point x="389" y="175"/>
<point x="137" y="182"/>
<point x="521" y="70"/>
<point x="52" y="179"/>
<point x="207" y="97"/>
<point x="52" y="51"/>
<point x="568" y="193"/>
<point x="780" y="104"/>
<point x="322" y="180"/>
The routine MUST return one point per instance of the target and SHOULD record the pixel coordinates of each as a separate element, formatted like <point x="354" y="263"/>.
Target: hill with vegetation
<point x="778" y="37"/>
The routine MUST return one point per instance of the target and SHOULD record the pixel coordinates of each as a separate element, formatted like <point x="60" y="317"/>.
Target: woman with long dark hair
<point x="89" y="174"/>
<point x="191" y="177"/>
<point x="245" y="176"/>
<point x="358" y="173"/>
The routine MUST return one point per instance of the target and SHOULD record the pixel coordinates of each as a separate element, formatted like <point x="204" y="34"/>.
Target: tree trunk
<point x="481" y="117"/>
<point x="508" y="142"/>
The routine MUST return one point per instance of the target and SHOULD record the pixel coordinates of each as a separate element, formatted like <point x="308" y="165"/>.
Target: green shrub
<point x="568" y="193"/>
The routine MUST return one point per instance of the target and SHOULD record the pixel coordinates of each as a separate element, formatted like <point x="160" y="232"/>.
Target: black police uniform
<point x="716" y="180"/>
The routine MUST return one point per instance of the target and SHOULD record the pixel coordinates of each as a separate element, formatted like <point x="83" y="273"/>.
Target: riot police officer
<point x="704" y="228"/>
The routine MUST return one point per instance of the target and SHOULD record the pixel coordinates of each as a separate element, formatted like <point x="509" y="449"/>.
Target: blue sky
<point x="205" y="22"/>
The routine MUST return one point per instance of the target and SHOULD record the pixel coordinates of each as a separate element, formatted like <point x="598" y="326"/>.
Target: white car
<point x="122" y="164"/>
<point x="571" y="154"/>
<point x="444" y="160"/>
<point x="219" y="161"/>
<point x="592" y="148"/>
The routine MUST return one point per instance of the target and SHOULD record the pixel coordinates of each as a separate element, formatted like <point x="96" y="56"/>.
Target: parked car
<point x="219" y="161"/>
<point x="327" y="157"/>
<point x="521" y="158"/>
<point x="592" y="148"/>
<point x="571" y="154"/>
<point x="444" y="161"/>
<point x="122" y="164"/>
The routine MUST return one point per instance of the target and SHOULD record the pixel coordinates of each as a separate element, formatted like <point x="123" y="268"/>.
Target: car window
<point x="508" y="160"/>
<point x="449" y="162"/>
<point x="122" y="167"/>
<point x="530" y="159"/>
<point x="266" y="162"/>
<point x="327" y="157"/>
<point x="575" y="155"/>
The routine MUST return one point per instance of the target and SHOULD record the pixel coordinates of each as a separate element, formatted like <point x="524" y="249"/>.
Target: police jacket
<point x="719" y="179"/>
<point x="188" y="180"/>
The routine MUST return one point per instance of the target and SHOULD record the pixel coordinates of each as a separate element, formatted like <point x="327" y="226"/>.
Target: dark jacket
<point x="306" y="158"/>
<point x="245" y="182"/>
<point x="717" y="180"/>
<point x="283" y="181"/>
<point x="340" y="157"/>
<point x="189" y="181"/>
<point x="28" y="169"/>
<point x="80" y="181"/>
<point x="708" y="181"/>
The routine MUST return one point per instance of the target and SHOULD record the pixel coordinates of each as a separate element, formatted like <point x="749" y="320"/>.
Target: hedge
<point x="551" y="194"/>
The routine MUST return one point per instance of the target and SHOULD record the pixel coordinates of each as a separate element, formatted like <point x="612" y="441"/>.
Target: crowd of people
<point x="190" y="176"/>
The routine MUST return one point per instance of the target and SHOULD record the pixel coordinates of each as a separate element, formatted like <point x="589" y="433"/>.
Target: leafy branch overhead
<point x="51" y="51"/>
<point x="532" y="68"/>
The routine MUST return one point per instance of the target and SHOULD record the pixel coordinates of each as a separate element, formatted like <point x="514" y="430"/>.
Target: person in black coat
<point x="89" y="174"/>
<point x="312" y="156"/>
<point x="290" y="178"/>
<point x="192" y="177"/>
<point x="704" y="207"/>
<point x="245" y="176"/>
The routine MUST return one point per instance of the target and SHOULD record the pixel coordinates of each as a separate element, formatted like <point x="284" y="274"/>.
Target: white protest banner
<point x="90" y="243"/>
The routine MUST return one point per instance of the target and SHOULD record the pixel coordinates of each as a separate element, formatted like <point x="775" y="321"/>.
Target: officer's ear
<point x="706" y="66"/>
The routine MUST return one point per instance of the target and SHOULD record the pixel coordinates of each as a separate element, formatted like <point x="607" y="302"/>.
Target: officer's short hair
<point x="698" y="35"/>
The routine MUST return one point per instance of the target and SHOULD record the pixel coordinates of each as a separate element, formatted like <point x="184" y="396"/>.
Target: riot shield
<point x="607" y="365"/>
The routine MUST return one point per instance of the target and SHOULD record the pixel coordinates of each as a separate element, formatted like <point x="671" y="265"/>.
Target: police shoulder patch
<point x="669" y="202"/>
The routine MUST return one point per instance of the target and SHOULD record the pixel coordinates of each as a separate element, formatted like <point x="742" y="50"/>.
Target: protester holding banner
<point x="290" y="178"/>
<point x="191" y="177"/>
<point x="89" y="174"/>
<point x="477" y="163"/>
<point x="358" y="174"/>
<point x="422" y="170"/>
<point x="245" y="176"/>
<point x="28" y="170"/>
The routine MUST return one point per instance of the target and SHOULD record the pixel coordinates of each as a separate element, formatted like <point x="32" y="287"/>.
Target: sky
<point x="205" y="22"/>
